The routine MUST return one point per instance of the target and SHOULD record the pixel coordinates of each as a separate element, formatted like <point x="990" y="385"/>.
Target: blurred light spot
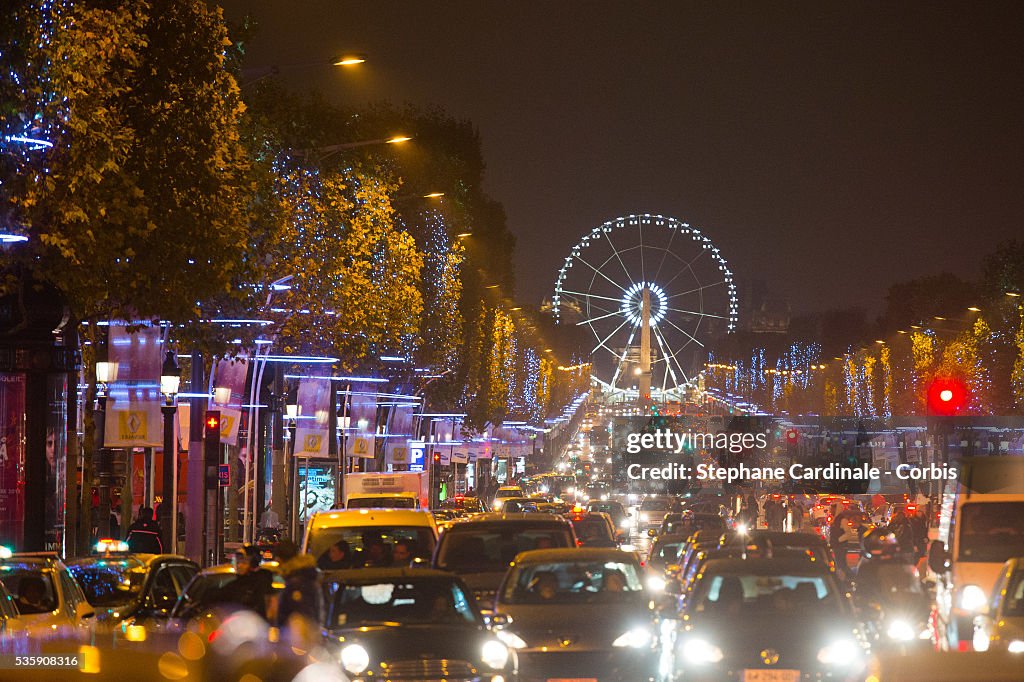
<point x="89" y="659"/>
<point x="191" y="646"/>
<point x="172" y="666"/>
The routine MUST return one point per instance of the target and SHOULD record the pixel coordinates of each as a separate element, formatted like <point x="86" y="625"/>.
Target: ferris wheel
<point x="654" y="268"/>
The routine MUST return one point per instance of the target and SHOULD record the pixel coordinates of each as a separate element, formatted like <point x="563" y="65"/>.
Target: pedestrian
<point x="144" y="533"/>
<point x="297" y="607"/>
<point x="253" y="586"/>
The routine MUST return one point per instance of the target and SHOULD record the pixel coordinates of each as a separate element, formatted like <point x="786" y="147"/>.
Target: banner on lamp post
<point x="312" y="427"/>
<point x="360" y="440"/>
<point x="396" y="444"/>
<point x="133" y="418"/>
<point x="229" y="396"/>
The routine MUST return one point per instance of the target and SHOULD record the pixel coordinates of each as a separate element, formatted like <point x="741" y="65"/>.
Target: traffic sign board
<point x="224" y="474"/>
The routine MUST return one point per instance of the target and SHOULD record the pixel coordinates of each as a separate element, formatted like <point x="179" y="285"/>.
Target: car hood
<point x="574" y="626"/>
<point x="394" y="642"/>
<point x="796" y="638"/>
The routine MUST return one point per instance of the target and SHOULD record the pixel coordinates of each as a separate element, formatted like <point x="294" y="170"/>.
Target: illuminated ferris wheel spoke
<point x="685" y="333"/>
<point x="604" y="341"/>
<point x="694" y="312"/>
<point x="599" y="272"/>
<point x="659" y="335"/>
<point x="595" y="319"/>
<point x="622" y="358"/>
<point x="607" y="237"/>
<point x="687" y="266"/>
<point x="664" y="255"/>
<point x="603" y="298"/>
<point x="698" y="289"/>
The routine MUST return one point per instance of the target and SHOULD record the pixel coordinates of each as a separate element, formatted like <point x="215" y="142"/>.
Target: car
<point x="779" y="543"/>
<point x="13" y="634"/>
<point x="464" y="506"/>
<point x="615" y="509"/>
<point x="505" y="492"/>
<point x="652" y="513"/>
<point x="480" y="549"/>
<point x="203" y="593"/>
<point x="399" y="624"/>
<point x="773" y="619"/>
<point x="48" y="598"/>
<point x="514" y="505"/>
<point x="578" y="614"/>
<point x="1002" y="627"/>
<point x="371" y="534"/>
<point x="127" y="588"/>
<point x="593" y="529"/>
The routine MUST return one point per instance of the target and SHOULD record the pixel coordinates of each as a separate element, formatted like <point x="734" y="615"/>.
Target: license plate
<point x="766" y="675"/>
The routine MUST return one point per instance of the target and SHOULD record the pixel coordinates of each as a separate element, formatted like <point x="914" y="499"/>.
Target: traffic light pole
<point x="195" y="508"/>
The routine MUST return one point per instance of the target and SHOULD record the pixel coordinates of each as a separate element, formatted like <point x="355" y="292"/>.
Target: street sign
<point x="224" y="474"/>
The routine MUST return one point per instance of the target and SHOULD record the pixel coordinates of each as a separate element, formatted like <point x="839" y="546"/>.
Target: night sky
<point x="828" y="149"/>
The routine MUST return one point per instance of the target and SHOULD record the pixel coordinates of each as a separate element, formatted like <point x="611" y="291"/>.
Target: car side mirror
<point x="938" y="557"/>
<point x="629" y="515"/>
<point x="84" y="610"/>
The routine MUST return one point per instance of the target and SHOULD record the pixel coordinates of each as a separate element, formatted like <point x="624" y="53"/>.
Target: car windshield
<point x="407" y="601"/>
<point x="31" y="585"/>
<point x="109" y="582"/>
<point x="479" y="549"/>
<point x="991" y="531"/>
<point x="731" y="594"/>
<point x="655" y="504"/>
<point x="371" y="545"/>
<point x="888" y="577"/>
<point x="591" y="528"/>
<point x="572" y="582"/>
<point x="613" y="508"/>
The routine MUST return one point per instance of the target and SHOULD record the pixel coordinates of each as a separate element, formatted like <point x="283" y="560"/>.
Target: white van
<point x="981" y="525"/>
<point x="360" y="529"/>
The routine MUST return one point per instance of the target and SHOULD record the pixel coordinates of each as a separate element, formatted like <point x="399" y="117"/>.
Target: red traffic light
<point x="437" y="457"/>
<point x="212" y="420"/>
<point x="946" y="396"/>
<point x="792" y="436"/>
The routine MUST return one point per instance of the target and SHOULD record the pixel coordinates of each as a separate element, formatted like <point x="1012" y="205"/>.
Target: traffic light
<point x="947" y="396"/>
<point x="437" y="458"/>
<point x="211" y="446"/>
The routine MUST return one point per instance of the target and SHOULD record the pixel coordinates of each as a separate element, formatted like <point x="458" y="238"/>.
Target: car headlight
<point x="624" y="523"/>
<point x="901" y="631"/>
<point x="973" y="598"/>
<point x="643" y="517"/>
<point x="494" y="654"/>
<point x="637" y="638"/>
<point x="839" y="653"/>
<point x="656" y="583"/>
<point x="511" y="639"/>
<point x="354" y="659"/>
<point x="701" y="651"/>
<point x="1016" y="646"/>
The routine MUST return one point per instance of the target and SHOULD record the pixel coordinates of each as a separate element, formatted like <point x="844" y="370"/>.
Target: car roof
<point x="762" y="566"/>
<point x="364" y="575"/>
<point x="575" y="554"/>
<point x="372" y="517"/>
<point x="147" y="559"/>
<point x="511" y="517"/>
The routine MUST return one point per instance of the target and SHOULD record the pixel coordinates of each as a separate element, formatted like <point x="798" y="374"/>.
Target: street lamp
<point x="170" y="381"/>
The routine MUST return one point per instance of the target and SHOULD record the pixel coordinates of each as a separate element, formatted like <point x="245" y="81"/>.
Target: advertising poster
<point x="362" y="413"/>
<point x="56" y="464"/>
<point x="133" y="417"/>
<point x="230" y="377"/>
<point x="12" y="459"/>
<point x="312" y="423"/>
<point x="316" y="488"/>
